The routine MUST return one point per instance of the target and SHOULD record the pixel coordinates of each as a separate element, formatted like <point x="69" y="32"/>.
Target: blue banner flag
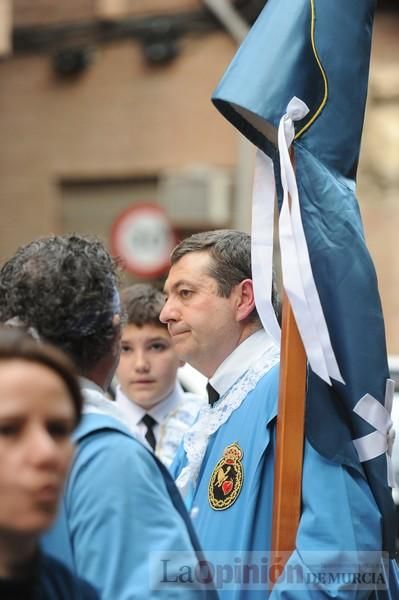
<point x="318" y="52"/>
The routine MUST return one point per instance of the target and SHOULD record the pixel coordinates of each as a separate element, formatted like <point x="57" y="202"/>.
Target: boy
<point x="151" y="398"/>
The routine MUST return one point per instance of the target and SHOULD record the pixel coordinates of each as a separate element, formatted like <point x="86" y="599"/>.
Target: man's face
<point x="148" y="364"/>
<point x="203" y="325"/>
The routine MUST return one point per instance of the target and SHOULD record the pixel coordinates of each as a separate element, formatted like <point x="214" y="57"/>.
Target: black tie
<point x="149" y="422"/>
<point x="213" y="395"/>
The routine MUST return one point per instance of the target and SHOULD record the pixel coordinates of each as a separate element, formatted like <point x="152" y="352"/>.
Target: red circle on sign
<point x="142" y="235"/>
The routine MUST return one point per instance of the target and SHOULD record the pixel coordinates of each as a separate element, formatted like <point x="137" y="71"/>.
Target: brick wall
<point x="378" y="188"/>
<point x="122" y="119"/>
<point x="42" y="12"/>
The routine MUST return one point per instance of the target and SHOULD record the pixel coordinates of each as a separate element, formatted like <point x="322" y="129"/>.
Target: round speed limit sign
<point x="143" y="237"/>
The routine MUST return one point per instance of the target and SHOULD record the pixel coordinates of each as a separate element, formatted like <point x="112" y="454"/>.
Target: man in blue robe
<point x="225" y="467"/>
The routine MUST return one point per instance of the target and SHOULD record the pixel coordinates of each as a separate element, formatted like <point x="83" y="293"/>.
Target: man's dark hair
<point x="15" y="344"/>
<point x="230" y="252"/>
<point x="142" y="304"/>
<point x="65" y="288"/>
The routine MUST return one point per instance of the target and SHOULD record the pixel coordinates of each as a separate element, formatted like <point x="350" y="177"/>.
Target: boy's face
<point x="148" y="364"/>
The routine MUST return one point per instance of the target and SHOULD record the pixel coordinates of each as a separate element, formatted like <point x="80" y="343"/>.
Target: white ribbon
<point x="296" y="268"/>
<point x="378" y="416"/>
<point x="262" y="242"/>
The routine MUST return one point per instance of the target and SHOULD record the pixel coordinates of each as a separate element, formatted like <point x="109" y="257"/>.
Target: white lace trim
<point x="210" y="419"/>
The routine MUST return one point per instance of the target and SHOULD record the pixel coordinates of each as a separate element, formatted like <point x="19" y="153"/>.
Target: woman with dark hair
<point x="40" y="405"/>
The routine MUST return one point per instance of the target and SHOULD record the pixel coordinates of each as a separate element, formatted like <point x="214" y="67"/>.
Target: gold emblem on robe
<point x="227" y="478"/>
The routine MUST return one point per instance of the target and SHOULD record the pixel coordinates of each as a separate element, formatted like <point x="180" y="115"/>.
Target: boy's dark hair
<point x="142" y="304"/>
<point x="15" y="344"/>
<point x="230" y="252"/>
<point x="66" y="288"/>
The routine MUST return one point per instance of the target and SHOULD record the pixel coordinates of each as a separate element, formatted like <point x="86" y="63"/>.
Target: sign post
<point x="143" y="237"/>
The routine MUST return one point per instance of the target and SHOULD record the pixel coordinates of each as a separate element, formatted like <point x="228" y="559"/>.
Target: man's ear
<point x="245" y="299"/>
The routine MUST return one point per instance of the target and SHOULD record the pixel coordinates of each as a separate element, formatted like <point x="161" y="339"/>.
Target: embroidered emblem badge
<point x="226" y="480"/>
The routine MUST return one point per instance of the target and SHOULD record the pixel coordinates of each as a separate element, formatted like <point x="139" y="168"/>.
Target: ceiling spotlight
<point x="70" y="62"/>
<point x="160" y="51"/>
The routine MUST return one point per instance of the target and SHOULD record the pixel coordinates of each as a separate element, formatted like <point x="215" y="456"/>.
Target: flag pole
<point x="289" y="437"/>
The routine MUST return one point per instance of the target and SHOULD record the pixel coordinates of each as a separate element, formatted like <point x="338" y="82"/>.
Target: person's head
<point x="65" y="287"/>
<point x="210" y="307"/>
<point x="148" y="363"/>
<point x="40" y="405"/>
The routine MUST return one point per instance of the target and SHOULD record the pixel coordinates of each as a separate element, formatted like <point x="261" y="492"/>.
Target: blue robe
<point x="339" y="512"/>
<point x="109" y="535"/>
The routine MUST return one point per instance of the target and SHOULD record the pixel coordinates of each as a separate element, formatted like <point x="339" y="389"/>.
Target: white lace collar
<point x="235" y="378"/>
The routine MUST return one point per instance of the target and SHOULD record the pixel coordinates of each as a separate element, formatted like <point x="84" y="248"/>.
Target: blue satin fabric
<point x="279" y="60"/>
<point x="319" y="51"/>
